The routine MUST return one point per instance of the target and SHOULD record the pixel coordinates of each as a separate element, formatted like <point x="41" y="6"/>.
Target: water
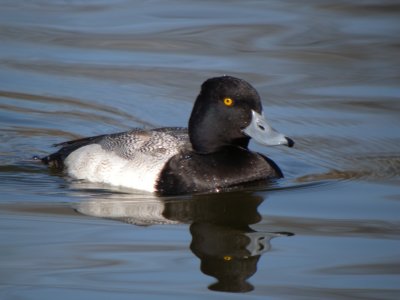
<point x="328" y="73"/>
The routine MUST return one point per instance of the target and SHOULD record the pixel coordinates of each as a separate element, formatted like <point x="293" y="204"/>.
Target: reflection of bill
<point x="222" y="239"/>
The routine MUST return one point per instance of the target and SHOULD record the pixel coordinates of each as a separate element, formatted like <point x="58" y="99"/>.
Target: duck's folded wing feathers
<point x="155" y="142"/>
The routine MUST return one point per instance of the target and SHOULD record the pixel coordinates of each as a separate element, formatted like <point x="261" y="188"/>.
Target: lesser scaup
<point x="210" y="156"/>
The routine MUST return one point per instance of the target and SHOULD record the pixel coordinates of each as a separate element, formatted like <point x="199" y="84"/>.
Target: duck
<point x="211" y="155"/>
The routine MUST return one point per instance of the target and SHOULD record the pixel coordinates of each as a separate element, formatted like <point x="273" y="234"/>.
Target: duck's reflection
<point x="219" y="224"/>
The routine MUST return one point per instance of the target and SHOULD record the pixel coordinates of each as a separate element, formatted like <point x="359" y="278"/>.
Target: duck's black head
<point x="228" y="111"/>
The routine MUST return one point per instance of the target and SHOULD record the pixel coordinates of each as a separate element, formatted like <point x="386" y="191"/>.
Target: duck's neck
<point x="207" y="145"/>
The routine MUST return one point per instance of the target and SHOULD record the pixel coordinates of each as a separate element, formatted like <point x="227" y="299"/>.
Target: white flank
<point x="95" y="164"/>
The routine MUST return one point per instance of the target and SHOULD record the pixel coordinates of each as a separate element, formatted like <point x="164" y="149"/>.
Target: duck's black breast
<point x="192" y="172"/>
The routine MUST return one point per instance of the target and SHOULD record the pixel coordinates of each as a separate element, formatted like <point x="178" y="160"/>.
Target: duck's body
<point x="212" y="155"/>
<point x="131" y="159"/>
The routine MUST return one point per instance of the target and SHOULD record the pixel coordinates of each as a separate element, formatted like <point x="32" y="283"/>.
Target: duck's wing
<point x="158" y="141"/>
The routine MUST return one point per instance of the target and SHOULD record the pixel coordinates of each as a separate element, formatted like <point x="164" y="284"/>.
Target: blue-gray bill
<point x="263" y="133"/>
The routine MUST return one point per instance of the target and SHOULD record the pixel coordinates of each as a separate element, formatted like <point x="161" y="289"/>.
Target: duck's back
<point x="131" y="159"/>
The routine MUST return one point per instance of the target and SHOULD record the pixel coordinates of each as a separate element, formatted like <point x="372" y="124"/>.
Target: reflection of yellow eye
<point x="227" y="258"/>
<point x="228" y="101"/>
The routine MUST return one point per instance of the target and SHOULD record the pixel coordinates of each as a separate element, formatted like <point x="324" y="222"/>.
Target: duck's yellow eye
<point x="228" y="101"/>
